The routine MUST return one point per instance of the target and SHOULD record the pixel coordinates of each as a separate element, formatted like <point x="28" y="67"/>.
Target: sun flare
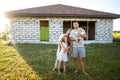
<point x="3" y="22"/>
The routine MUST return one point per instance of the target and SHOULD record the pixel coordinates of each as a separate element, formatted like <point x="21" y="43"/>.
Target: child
<point x="62" y="56"/>
<point x="78" y="39"/>
<point x="66" y="33"/>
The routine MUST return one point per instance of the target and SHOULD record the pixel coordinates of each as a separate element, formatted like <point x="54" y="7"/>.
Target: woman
<point x="67" y="32"/>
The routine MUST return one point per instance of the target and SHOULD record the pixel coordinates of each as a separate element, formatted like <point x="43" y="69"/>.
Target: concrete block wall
<point x="103" y="30"/>
<point x="55" y="29"/>
<point x="27" y="29"/>
<point x="24" y="30"/>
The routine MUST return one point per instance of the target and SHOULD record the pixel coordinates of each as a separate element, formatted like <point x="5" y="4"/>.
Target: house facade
<point x="45" y="24"/>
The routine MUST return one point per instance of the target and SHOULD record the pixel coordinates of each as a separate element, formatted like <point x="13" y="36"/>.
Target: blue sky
<point x="111" y="6"/>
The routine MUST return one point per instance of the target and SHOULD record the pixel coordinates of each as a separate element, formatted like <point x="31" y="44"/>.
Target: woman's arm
<point x="61" y="45"/>
<point x="72" y="39"/>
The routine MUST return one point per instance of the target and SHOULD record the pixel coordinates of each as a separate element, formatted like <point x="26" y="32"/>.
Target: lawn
<point x="35" y="62"/>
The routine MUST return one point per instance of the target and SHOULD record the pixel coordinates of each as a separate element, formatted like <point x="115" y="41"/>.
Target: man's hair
<point x="75" y="22"/>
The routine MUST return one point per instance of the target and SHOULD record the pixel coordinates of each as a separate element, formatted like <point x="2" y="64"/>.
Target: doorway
<point x="67" y="25"/>
<point x="44" y="30"/>
<point x="88" y="26"/>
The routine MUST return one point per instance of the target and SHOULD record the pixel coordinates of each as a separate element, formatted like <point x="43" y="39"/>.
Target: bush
<point x="5" y="37"/>
<point x="116" y="36"/>
<point x="116" y="39"/>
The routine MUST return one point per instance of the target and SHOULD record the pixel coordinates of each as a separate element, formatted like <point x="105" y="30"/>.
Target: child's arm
<point x="61" y="45"/>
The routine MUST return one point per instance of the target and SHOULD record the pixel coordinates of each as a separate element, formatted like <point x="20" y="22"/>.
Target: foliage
<point x="116" y="36"/>
<point x="5" y="35"/>
<point x="44" y="33"/>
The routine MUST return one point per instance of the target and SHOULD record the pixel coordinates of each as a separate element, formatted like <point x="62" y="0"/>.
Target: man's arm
<point x="82" y="35"/>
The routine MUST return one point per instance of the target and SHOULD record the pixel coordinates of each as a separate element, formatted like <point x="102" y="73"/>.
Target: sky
<point x="111" y="6"/>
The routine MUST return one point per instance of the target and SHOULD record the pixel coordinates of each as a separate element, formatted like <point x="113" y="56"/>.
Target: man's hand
<point x="81" y="35"/>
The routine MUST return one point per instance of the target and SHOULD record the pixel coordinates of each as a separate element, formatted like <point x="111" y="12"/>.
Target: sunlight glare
<point x="3" y="22"/>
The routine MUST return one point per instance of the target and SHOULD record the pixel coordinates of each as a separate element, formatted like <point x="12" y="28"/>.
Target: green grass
<point x="35" y="62"/>
<point x="44" y="33"/>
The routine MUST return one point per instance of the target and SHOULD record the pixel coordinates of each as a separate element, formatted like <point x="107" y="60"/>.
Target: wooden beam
<point x="87" y="29"/>
<point x="71" y="24"/>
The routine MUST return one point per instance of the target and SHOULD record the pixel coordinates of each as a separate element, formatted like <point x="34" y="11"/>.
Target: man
<point x="77" y="36"/>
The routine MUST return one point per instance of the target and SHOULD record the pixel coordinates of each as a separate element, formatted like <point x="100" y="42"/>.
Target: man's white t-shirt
<point x="74" y="33"/>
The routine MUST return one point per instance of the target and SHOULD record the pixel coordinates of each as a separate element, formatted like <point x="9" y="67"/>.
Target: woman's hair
<point x="68" y="39"/>
<point x="65" y="30"/>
